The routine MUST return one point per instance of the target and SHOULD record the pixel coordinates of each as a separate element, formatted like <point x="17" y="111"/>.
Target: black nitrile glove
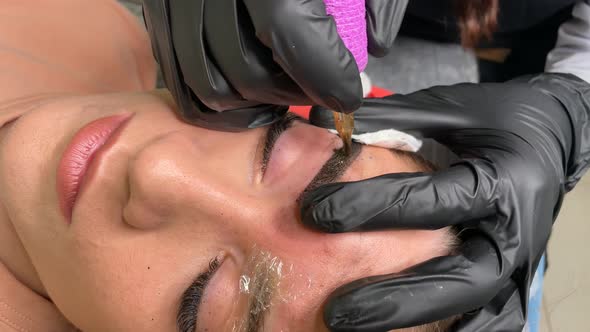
<point x="229" y="62"/>
<point x="523" y="144"/>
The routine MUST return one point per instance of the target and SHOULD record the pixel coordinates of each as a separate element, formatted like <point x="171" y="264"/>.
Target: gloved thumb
<point x="464" y="192"/>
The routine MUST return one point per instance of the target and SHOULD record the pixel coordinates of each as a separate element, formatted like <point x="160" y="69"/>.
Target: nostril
<point x="151" y="199"/>
<point x="144" y="216"/>
<point x="155" y="186"/>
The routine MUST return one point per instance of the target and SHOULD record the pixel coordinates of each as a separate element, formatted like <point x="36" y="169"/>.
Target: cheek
<point x="127" y="283"/>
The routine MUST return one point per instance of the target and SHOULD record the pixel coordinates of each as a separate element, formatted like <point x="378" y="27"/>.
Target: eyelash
<point x="187" y="319"/>
<point x="273" y="134"/>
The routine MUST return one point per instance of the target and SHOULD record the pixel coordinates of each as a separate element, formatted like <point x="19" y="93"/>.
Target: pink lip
<point x="79" y="155"/>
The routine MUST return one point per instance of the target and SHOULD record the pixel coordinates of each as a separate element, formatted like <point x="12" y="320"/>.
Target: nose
<point x="191" y="174"/>
<point x="156" y="184"/>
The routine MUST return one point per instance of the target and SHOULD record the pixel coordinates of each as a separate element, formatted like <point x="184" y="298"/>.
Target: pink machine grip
<point x="352" y="27"/>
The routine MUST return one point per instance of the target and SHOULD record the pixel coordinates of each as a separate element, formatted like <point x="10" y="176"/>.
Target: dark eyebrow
<point x="188" y="310"/>
<point x="263" y="284"/>
<point x="332" y="170"/>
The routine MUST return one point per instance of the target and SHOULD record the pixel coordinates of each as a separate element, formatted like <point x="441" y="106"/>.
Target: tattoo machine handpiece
<point x="350" y="18"/>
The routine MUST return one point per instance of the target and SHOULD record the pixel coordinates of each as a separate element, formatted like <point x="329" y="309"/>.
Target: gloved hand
<point x="523" y="144"/>
<point x="228" y="62"/>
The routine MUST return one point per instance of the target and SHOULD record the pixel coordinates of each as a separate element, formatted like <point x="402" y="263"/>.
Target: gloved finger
<point x="244" y="60"/>
<point x="305" y="43"/>
<point x="232" y="120"/>
<point x="428" y="113"/>
<point x="503" y="314"/>
<point x="464" y="192"/>
<point x="437" y="289"/>
<point x="201" y="74"/>
<point x="384" y="18"/>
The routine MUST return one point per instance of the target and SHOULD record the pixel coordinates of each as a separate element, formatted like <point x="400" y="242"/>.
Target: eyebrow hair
<point x="190" y="302"/>
<point x="264" y="283"/>
<point x="332" y="170"/>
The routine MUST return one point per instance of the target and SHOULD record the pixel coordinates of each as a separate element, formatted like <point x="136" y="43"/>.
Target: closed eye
<point x="188" y="310"/>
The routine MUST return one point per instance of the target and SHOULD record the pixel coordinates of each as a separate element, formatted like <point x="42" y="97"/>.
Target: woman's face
<point x="161" y="202"/>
